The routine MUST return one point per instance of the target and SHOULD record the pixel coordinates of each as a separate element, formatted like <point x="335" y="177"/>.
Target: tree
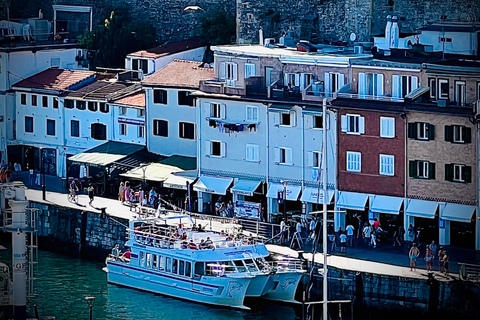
<point x="218" y="25"/>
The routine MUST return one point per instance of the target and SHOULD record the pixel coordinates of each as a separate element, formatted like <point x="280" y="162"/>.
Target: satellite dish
<point x="353" y="36"/>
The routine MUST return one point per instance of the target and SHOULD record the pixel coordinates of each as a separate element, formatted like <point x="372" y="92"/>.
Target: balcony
<point x="221" y="87"/>
<point x="228" y="126"/>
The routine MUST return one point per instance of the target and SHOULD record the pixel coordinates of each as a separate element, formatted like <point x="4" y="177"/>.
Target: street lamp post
<point x="91" y="302"/>
<point x="42" y="161"/>
<point x="285" y="183"/>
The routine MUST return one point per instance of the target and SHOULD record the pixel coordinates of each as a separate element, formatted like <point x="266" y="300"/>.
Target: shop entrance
<point x="428" y="229"/>
<point x="462" y="234"/>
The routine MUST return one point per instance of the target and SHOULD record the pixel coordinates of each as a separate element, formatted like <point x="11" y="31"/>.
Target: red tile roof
<point x="169" y="48"/>
<point x="137" y="99"/>
<point x="181" y="73"/>
<point x="55" y="79"/>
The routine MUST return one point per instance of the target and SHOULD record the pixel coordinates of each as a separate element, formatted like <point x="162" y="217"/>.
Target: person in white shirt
<point x="312" y="229"/>
<point x="343" y="241"/>
<point x="283" y="231"/>
<point x="350" y="231"/>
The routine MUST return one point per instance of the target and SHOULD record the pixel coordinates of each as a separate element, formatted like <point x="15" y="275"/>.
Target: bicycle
<point x="72" y="196"/>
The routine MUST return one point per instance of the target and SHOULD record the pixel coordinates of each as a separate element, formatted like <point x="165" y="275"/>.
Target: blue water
<point x="64" y="282"/>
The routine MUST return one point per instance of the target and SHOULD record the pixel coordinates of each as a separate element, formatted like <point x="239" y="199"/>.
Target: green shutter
<point x="467" y="174"/>
<point x="467" y="133"/>
<point x="449" y="133"/>
<point x="430" y="131"/>
<point x="412" y="130"/>
<point x="431" y="170"/>
<point x="449" y="172"/>
<point x="412" y="168"/>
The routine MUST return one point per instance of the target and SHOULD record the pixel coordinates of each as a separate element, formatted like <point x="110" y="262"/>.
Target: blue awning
<point x="311" y="195"/>
<point x="421" y="208"/>
<point x="457" y="212"/>
<point x="245" y="187"/>
<point x="386" y="204"/>
<point x="352" y="200"/>
<point x="215" y="185"/>
<point x="292" y="191"/>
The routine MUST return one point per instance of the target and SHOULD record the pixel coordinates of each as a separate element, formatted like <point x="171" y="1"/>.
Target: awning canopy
<point x="178" y="180"/>
<point x="457" y="212"/>
<point x="292" y="191"/>
<point x="214" y="185"/>
<point x="386" y="204"/>
<point x="352" y="200"/>
<point x="421" y="208"/>
<point x="311" y="195"/>
<point x="96" y="158"/>
<point x="245" y="187"/>
<point x="151" y="172"/>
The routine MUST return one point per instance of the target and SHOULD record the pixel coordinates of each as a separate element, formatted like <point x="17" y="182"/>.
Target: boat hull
<point x="284" y="286"/>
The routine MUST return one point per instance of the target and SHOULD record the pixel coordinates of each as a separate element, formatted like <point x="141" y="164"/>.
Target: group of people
<point x="431" y="254"/>
<point x="74" y="189"/>
<point x="224" y="210"/>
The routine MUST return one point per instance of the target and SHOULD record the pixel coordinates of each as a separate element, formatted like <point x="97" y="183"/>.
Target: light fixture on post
<point x="285" y="183"/>
<point x="91" y="302"/>
<point x="42" y="163"/>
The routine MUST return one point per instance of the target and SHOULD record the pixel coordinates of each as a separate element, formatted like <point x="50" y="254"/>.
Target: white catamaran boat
<point x="223" y="273"/>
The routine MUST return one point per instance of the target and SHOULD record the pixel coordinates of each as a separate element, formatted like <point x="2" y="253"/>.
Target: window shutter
<point x="223" y="151"/>
<point x="302" y="81"/>
<point x="449" y="133"/>
<point x="361" y="125"/>
<point x="297" y="79"/>
<point x="467" y="174"/>
<point x="277" y="155"/>
<point x="327" y="81"/>
<point x="285" y="79"/>
<point x="310" y="159"/>
<point x="223" y="111"/>
<point x="208" y="150"/>
<point x="362" y="83"/>
<point x="412" y="130"/>
<point x="448" y="172"/>
<point x="412" y="168"/>
<point x="396" y="86"/>
<point x="222" y="70"/>
<point x="467" y="133"/>
<point x="293" y="118"/>
<point x="379" y="84"/>
<point x="288" y="156"/>
<point x="414" y="83"/>
<point x="341" y="80"/>
<point x="431" y="170"/>
<point x="344" y="123"/>
<point x="276" y="118"/>
<point x="430" y="131"/>
<point x="235" y="71"/>
<point x="206" y="109"/>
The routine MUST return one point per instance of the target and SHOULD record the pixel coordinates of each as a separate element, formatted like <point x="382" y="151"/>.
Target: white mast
<point x="324" y="181"/>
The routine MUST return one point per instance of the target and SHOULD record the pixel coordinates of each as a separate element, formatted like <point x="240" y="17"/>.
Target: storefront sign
<point x="441" y="223"/>
<point x="247" y="210"/>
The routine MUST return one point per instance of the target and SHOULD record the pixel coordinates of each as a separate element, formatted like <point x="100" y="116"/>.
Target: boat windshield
<point x="240" y="266"/>
<point x="251" y="265"/>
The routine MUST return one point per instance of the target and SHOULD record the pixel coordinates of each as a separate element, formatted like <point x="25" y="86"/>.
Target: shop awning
<point x="178" y="180"/>
<point x="352" y="200"/>
<point x="214" y="185"/>
<point x="151" y="172"/>
<point x="421" y="208"/>
<point x="292" y="191"/>
<point x="457" y="212"/>
<point x="386" y="204"/>
<point x="311" y="195"/>
<point x="245" y="187"/>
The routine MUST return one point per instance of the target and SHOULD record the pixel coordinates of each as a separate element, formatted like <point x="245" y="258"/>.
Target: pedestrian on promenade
<point x="127" y="191"/>
<point x="360" y="225"/>
<point x="350" y="231"/>
<point x="446" y="262"/>
<point x="8" y="174"/>
<point x="2" y="175"/>
<point x="367" y="234"/>
<point x="121" y="192"/>
<point x="398" y="237"/>
<point x="90" y="193"/>
<point x="312" y="229"/>
<point x="343" y="242"/>
<point x="433" y="247"/>
<point x="333" y="240"/>
<point x="413" y="254"/>
<point x="429" y="259"/>
<point x="283" y="232"/>
<point x="441" y="263"/>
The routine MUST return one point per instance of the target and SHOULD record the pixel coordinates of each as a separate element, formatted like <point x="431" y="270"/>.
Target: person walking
<point x="367" y="234"/>
<point x="350" y="231"/>
<point x="429" y="259"/>
<point x="446" y="262"/>
<point x="360" y="225"/>
<point x="343" y="242"/>
<point x="413" y="254"/>
<point x="433" y="247"/>
<point x="283" y="232"/>
<point x="441" y="264"/>
<point x="121" y="192"/>
<point x="8" y="174"/>
<point x="90" y="193"/>
<point x="398" y="237"/>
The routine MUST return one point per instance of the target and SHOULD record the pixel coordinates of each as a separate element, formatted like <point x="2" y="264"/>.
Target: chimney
<point x="394" y="33"/>
<point x="388" y="28"/>
<point x="260" y="36"/>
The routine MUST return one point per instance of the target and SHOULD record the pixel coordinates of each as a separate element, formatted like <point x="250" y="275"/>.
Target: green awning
<point x="153" y="172"/>
<point x="106" y="153"/>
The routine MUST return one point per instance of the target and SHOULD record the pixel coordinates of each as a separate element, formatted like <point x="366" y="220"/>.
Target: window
<point x="160" y="128"/>
<point x="69" y="104"/>
<point x="442" y="89"/>
<point x="74" y="128"/>
<point x="387" y="165"/>
<point x="23" y="99"/>
<point x="92" y="106"/>
<point x="140" y="64"/>
<point x="123" y="129"/>
<point x="354" y="161"/>
<point x="458" y="134"/>
<point x="216" y="149"/>
<point x="421" y="169"/>
<point x="99" y="131"/>
<point x="458" y="173"/>
<point x="314" y="159"/>
<point x="104" y="107"/>
<point x="443" y="39"/>
<point x="353" y="124"/>
<point x="217" y="110"/>
<point x="186" y="130"/>
<point x="432" y="84"/>
<point x="252" y="113"/>
<point x="252" y="152"/>
<point x="123" y="110"/>
<point x="291" y="80"/>
<point x="34" y="100"/>
<point x="318" y="122"/>
<point x="141" y="131"/>
<point x="460" y="93"/>
<point x="370" y="84"/>
<point x="387" y="127"/>
<point x="50" y="127"/>
<point x="45" y="101"/>
<point x="160" y="96"/>
<point x="184" y="99"/>
<point x="140" y="112"/>
<point x="249" y="70"/>
<point x="55" y="103"/>
<point x="29" y="124"/>
<point x="284" y="156"/>
<point x="55" y="62"/>
<point x="333" y="81"/>
<point x="286" y="118"/>
<point x="81" y="105"/>
<point x="421" y="131"/>
<point x="228" y="72"/>
<point x="306" y="80"/>
<point x="403" y="85"/>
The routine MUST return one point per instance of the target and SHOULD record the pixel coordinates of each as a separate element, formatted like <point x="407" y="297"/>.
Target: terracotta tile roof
<point x="55" y="79"/>
<point x="181" y="73"/>
<point x="100" y="90"/>
<point x="136" y="99"/>
<point x="169" y="48"/>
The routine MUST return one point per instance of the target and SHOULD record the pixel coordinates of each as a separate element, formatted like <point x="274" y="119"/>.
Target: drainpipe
<point x="304" y="204"/>
<point x="267" y="162"/>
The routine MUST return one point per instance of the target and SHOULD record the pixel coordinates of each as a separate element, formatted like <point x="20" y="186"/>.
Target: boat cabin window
<point x="214" y="268"/>
<point x="168" y="267"/>
<point x="199" y="269"/>
<point x="155" y="265"/>
<point x="228" y="266"/>
<point x="162" y="263"/>
<point x="142" y="259"/>
<point x="149" y="260"/>
<point x="174" y="265"/>
<point x="261" y="263"/>
<point x="188" y="268"/>
<point x="250" y="265"/>
<point x="240" y="266"/>
<point x="181" y="267"/>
